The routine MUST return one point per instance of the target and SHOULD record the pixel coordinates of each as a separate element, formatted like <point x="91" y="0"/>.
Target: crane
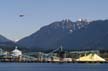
<point x="51" y="53"/>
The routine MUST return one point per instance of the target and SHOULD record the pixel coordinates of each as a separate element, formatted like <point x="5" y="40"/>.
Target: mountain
<point x="5" y="43"/>
<point x="79" y="35"/>
<point x="3" y="39"/>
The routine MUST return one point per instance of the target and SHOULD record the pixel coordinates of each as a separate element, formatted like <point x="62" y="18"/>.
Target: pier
<point x="54" y="56"/>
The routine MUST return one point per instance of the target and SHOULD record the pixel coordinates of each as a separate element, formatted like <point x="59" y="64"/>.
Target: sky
<point x="38" y="13"/>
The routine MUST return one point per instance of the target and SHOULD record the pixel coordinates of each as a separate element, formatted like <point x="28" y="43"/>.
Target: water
<point x="52" y="67"/>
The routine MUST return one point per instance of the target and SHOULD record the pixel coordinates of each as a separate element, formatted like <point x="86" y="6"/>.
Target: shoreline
<point x="91" y="62"/>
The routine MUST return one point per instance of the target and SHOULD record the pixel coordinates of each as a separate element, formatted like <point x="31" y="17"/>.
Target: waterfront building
<point x="16" y="53"/>
<point x="1" y="51"/>
<point x="67" y="59"/>
<point x="55" y="59"/>
<point x="5" y="53"/>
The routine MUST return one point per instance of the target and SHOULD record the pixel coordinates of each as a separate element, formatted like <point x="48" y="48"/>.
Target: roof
<point x="16" y="50"/>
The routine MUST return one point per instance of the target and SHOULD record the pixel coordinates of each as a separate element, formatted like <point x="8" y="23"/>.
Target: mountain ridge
<point x="6" y="43"/>
<point x="72" y="35"/>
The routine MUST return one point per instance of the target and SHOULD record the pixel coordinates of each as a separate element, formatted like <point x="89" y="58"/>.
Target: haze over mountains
<point x="79" y="35"/>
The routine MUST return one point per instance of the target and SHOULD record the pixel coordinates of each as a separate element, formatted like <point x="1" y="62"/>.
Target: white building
<point x="67" y="59"/>
<point x="16" y="52"/>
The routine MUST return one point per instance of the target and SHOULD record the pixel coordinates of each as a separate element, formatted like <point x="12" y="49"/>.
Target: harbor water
<point x="53" y="67"/>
